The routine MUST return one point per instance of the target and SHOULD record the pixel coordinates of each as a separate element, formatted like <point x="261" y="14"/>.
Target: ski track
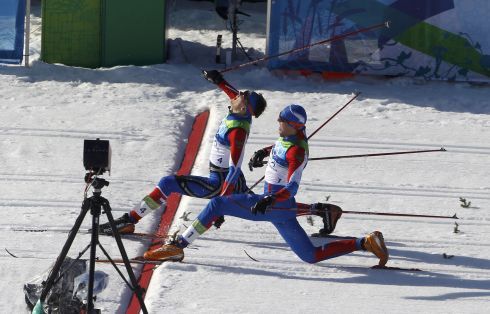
<point x="43" y="229"/>
<point x="35" y="203"/>
<point x="50" y="177"/>
<point x="320" y="271"/>
<point x="12" y="204"/>
<point x="73" y="134"/>
<point x="377" y="145"/>
<point x="391" y="242"/>
<point x="284" y="268"/>
<point x="442" y="192"/>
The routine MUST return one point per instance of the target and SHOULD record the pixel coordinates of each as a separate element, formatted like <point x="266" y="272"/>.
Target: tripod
<point x="95" y="204"/>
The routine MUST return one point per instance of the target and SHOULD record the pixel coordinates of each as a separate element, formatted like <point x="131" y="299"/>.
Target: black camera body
<point x="97" y="156"/>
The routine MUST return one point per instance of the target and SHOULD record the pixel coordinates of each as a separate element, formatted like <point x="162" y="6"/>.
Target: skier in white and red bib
<point x="287" y="160"/>
<point x="225" y="175"/>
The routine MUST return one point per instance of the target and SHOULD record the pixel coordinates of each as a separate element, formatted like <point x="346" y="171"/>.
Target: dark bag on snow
<point x="60" y="298"/>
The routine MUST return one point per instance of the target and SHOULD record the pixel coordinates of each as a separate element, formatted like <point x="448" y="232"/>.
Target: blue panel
<point x="12" y="13"/>
<point x="430" y="39"/>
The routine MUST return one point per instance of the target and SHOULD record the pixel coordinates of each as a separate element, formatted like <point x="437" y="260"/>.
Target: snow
<point x="146" y="113"/>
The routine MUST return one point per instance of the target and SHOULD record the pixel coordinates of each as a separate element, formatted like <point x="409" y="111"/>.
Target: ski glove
<point x="213" y="76"/>
<point x="261" y="205"/>
<point x="257" y="159"/>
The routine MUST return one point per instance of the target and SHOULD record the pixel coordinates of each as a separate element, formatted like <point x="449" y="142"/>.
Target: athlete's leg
<point x="300" y="243"/>
<point x="195" y="186"/>
<point x="236" y="205"/>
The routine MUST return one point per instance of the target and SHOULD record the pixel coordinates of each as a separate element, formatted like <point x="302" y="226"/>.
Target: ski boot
<point x="330" y="215"/>
<point x="375" y="243"/>
<point x="171" y="251"/>
<point x="124" y="224"/>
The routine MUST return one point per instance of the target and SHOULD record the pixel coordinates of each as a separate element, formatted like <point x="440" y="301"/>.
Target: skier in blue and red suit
<point x="225" y="175"/>
<point x="287" y="160"/>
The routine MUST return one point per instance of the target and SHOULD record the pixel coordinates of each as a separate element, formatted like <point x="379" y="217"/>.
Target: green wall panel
<point x="133" y="32"/>
<point x="71" y="32"/>
<point x="94" y="33"/>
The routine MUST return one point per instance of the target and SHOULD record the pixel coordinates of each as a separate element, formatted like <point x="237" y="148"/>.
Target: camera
<point x="97" y="156"/>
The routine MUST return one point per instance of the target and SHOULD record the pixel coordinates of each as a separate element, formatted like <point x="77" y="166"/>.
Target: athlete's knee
<point x="216" y="204"/>
<point x="307" y="253"/>
<point x="165" y="183"/>
<point x="304" y="253"/>
<point x="307" y="258"/>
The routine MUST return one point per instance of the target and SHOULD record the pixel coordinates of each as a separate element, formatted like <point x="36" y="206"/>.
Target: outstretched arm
<point x="216" y="77"/>
<point x="231" y="91"/>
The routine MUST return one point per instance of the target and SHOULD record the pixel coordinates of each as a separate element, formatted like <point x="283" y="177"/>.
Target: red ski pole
<point x="442" y="149"/>
<point x="305" y="212"/>
<point x="331" y="39"/>
<point x="398" y="214"/>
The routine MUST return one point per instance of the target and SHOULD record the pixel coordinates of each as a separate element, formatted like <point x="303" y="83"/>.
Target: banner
<point x="12" y="13"/>
<point x="436" y="39"/>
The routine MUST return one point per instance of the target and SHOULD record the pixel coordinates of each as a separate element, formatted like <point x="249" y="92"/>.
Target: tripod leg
<point x="64" y="251"/>
<point x="137" y="288"/>
<point x="95" y="210"/>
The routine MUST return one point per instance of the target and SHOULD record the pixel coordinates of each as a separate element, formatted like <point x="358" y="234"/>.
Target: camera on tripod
<point x="97" y="156"/>
<point x="96" y="160"/>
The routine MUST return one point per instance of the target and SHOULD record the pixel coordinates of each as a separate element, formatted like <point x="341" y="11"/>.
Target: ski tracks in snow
<point x="369" y="146"/>
<point x="439" y="192"/>
<point x="363" y="144"/>
<point x="73" y="134"/>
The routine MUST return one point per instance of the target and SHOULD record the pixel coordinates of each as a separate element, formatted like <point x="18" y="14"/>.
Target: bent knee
<point x="308" y="259"/>
<point x="165" y="182"/>
<point x="216" y="203"/>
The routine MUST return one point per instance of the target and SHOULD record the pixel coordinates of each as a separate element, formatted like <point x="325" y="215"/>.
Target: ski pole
<point x="331" y="39"/>
<point x="305" y="212"/>
<point x="314" y="132"/>
<point x="356" y="94"/>
<point x="398" y="214"/>
<point x="442" y="149"/>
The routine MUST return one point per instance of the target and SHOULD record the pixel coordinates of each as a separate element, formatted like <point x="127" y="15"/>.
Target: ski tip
<point x="10" y="253"/>
<point x="455" y="217"/>
<point x="443" y="149"/>
<point x="253" y="259"/>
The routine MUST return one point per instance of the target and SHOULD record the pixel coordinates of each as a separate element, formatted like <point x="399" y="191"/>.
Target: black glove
<point x="257" y="159"/>
<point x="319" y="207"/>
<point x="213" y="76"/>
<point x="261" y="205"/>
<point x="330" y="215"/>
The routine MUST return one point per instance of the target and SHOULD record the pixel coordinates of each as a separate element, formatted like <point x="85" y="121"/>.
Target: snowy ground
<point x="47" y="111"/>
